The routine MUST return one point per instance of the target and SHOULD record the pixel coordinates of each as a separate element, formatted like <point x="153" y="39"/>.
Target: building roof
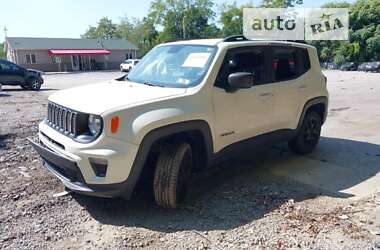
<point x="36" y="43"/>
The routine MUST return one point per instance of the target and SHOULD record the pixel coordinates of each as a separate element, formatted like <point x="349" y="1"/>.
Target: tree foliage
<point x="231" y="18"/>
<point x="183" y="19"/>
<point x="170" y="20"/>
<point x="105" y="29"/>
<point x="364" y="44"/>
<point x="2" y="53"/>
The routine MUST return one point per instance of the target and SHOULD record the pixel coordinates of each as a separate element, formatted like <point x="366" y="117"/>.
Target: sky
<point x="71" y="18"/>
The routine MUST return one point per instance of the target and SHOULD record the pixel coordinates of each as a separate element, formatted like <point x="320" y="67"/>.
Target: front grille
<point x="65" y="120"/>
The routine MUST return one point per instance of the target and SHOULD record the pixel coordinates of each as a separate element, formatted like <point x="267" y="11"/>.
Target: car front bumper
<point x="71" y="163"/>
<point x="67" y="171"/>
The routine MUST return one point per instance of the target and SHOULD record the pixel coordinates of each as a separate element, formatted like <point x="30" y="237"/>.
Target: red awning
<point x="62" y="52"/>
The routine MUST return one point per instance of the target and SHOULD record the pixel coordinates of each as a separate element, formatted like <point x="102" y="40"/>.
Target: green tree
<point x="182" y="19"/>
<point x="365" y="28"/>
<point x="364" y="43"/>
<point x="281" y="3"/>
<point x="231" y="18"/>
<point x="105" y="29"/>
<point x="2" y="53"/>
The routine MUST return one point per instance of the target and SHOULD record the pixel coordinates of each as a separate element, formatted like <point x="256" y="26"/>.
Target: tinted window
<point x="8" y="66"/>
<point x="290" y="63"/>
<point x="251" y="61"/>
<point x="5" y="66"/>
<point x="284" y="64"/>
<point x="305" y="66"/>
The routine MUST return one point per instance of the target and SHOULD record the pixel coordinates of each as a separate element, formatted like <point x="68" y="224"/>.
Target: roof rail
<point x="297" y="41"/>
<point x="236" y="38"/>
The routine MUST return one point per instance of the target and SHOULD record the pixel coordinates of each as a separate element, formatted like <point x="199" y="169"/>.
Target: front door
<point x="11" y="73"/>
<point x="243" y="113"/>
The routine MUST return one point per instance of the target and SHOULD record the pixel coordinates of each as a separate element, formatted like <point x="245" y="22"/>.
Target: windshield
<point x="178" y="66"/>
<point x="128" y="61"/>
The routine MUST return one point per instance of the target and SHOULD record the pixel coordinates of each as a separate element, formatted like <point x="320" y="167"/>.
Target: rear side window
<point x="289" y="63"/>
<point x="304" y="54"/>
<point x="284" y="64"/>
<point x="247" y="60"/>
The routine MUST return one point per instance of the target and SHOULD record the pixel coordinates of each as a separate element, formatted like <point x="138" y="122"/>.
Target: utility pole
<point x="5" y="31"/>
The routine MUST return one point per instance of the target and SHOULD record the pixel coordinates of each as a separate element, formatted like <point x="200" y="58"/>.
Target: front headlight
<point x="95" y="124"/>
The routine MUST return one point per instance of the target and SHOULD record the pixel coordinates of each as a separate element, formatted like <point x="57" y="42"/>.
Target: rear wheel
<point x="308" y="134"/>
<point x="172" y="174"/>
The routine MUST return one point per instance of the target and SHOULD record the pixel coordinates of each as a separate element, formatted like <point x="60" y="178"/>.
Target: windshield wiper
<point x="151" y="84"/>
<point x="145" y="83"/>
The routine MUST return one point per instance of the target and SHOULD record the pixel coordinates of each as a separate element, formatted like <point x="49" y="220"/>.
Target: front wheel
<point x="308" y="134"/>
<point x="172" y="174"/>
<point x="34" y="84"/>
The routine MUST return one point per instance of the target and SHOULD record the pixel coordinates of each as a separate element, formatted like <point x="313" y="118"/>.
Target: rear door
<point x="291" y="79"/>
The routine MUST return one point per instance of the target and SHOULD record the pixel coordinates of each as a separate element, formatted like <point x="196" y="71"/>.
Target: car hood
<point x="101" y="97"/>
<point x="33" y="71"/>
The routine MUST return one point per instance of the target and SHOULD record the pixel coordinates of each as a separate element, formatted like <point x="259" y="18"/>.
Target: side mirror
<point x="240" y="80"/>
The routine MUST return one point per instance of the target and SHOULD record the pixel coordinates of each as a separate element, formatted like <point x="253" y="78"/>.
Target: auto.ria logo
<point x="295" y="23"/>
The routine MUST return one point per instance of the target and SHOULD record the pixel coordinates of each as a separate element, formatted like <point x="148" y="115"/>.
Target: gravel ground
<point x="265" y="199"/>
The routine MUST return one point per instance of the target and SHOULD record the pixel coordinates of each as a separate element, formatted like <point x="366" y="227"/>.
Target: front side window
<point x="5" y="66"/>
<point x="247" y="60"/>
<point x="175" y="65"/>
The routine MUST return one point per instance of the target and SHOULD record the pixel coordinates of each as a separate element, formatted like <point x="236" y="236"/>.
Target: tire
<point x="172" y="174"/>
<point x="34" y="84"/>
<point x="308" y="134"/>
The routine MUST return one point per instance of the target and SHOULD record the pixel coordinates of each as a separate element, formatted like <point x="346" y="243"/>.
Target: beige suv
<point x="185" y="106"/>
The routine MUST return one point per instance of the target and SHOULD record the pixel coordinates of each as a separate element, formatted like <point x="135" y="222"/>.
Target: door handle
<point x="302" y="87"/>
<point x="267" y="94"/>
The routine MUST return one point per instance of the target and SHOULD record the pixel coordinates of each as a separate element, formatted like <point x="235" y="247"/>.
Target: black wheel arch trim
<point x="314" y="101"/>
<point x="150" y="138"/>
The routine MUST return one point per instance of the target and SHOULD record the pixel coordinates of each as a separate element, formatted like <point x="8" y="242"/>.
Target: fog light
<point x="99" y="166"/>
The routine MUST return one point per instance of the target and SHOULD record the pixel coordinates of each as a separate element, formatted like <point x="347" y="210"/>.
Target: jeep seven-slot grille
<point x="65" y="120"/>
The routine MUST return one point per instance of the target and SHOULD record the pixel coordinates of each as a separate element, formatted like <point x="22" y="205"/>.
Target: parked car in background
<point x="369" y="67"/>
<point x="128" y="64"/>
<point x="12" y="74"/>
<point x="329" y="65"/>
<point x="373" y="67"/>
<point x="349" y="66"/>
<point x="362" y="66"/>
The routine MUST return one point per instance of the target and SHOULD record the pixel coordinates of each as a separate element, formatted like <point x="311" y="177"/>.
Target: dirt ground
<point x="265" y="199"/>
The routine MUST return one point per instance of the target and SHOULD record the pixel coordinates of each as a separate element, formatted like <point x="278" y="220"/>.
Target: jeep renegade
<point x="185" y="106"/>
